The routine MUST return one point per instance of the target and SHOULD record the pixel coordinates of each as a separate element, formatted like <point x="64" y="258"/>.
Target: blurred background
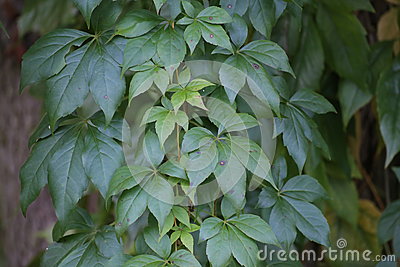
<point x="361" y="196"/>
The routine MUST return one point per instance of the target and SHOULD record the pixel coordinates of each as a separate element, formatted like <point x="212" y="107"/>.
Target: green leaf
<point x="218" y="251"/>
<point x="198" y="84"/>
<point x="262" y="16"/>
<point x="79" y="250"/>
<point x="152" y="149"/>
<point x="105" y="15"/>
<point x="126" y="178"/>
<point x="195" y="99"/>
<point x="396" y="170"/>
<point x="183" y="258"/>
<point x="351" y="6"/>
<point x="252" y="157"/>
<point x="112" y="129"/>
<point x="166" y="121"/>
<point x="161" y="79"/>
<point x="229" y="171"/>
<point x="178" y="99"/>
<point x="238" y="30"/>
<point x="78" y="220"/>
<point x="268" y="53"/>
<point x="388" y="99"/>
<point x="192" y="35"/>
<point x="138" y="51"/>
<point x="169" y="223"/>
<point x="182" y="215"/>
<point x="351" y="99"/>
<point x="101" y="158"/>
<point x="346" y="46"/>
<point x="232" y="75"/>
<point x="261" y="84"/>
<point x="173" y="168"/>
<point x="130" y="206"/>
<point x="66" y="174"/>
<point x="187" y="240"/>
<point x="136" y="23"/>
<point x="34" y="172"/>
<point x="86" y="7"/>
<point x="171" y="47"/>
<point x="388" y="222"/>
<point x="243" y="249"/>
<point x="235" y="6"/>
<point x="46" y="57"/>
<point x="144" y="261"/>
<point x="161" y="198"/>
<point x="215" y="34"/>
<point x="70" y="87"/>
<point x="105" y="82"/>
<point x="214" y="15"/>
<point x="267" y="198"/>
<point x="195" y="138"/>
<point x="158" y="4"/>
<point x="312" y="101"/>
<point x="160" y="246"/>
<point x="209" y="228"/>
<point x="303" y="187"/>
<point x="255" y="228"/>
<point x="283" y="223"/>
<point x="141" y="82"/>
<point x="310" y="221"/>
<point x="309" y="61"/>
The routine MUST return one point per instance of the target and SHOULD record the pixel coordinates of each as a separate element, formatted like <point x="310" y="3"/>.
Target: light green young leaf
<point x="182" y="215"/>
<point x="46" y="57"/>
<point x="187" y="240"/>
<point x="195" y="99"/>
<point x="86" y="7"/>
<point x="136" y="23"/>
<point x="141" y="82"/>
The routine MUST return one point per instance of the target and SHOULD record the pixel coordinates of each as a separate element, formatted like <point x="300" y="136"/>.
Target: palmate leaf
<point x="47" y="56"/>
<point x="160" y="246"/>
<point x="78" y="250"/>
<point x="86" y="7"/>
<point x="34" y="172"/>
<point x="180" y="258"/>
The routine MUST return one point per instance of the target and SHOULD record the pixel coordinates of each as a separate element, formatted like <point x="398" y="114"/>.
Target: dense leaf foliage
<point x="284" y="54"/>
